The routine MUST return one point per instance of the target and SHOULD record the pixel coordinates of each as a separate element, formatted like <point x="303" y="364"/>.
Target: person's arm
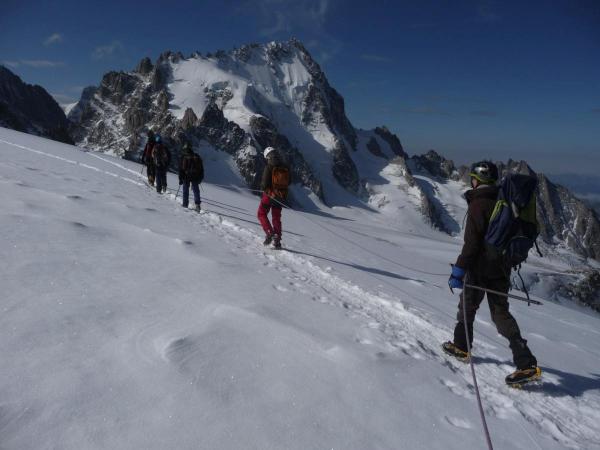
<point x="265" y="183"/>
<point x="474" y="235"/>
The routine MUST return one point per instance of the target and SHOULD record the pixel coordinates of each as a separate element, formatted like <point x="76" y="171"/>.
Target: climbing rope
<point x="479" y="404"/>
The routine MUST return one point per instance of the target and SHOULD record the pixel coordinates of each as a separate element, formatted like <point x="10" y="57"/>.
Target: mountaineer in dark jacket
<point x="274" y="184"/>
<point x="191" y="171"/>
<point x="477" y="267"/>
<point x="161" y="156"/>
<point x="147" y="158"/>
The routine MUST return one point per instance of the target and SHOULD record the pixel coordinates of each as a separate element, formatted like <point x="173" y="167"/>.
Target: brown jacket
<point x="267" y="176"/>
<point x="473" y="256"/>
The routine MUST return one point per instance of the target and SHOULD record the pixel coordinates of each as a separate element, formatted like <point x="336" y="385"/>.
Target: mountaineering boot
<point x="268" y="240"/>
<point x="197" y="207"/>
<point x="277" y="241"/>
<point x="452" y="350"/>
<point x="520" y="377"/>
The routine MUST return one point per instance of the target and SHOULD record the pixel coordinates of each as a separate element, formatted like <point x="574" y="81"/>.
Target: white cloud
<point x="36" y="63"/>
<point x="109" y="50"/>
<point x="13" y="64"/>
<point x="376" y="58"/>
<point x="279" y="16"/>
<point x="55" y="38"/>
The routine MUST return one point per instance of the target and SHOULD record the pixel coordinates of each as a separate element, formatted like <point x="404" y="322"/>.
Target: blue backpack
<point x="513" y="227"/>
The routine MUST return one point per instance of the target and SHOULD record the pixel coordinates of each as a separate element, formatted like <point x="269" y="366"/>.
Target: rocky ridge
<point x="30" y="109"/>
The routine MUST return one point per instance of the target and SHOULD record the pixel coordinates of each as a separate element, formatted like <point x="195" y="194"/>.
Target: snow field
<point x="129" y="322"/>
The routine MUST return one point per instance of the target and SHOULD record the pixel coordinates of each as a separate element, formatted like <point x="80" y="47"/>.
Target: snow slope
<point x="129" y="322"/>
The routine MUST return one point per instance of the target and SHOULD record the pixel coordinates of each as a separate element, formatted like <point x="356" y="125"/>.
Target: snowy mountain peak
<point x="278" y="81"/>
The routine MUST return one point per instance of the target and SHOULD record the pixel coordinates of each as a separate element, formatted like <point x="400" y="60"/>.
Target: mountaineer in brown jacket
<point x="274" y="184"/>
<point x="478" y="268"/>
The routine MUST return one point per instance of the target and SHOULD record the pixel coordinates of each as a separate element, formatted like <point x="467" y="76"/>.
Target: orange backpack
<point x="280" y="180"/>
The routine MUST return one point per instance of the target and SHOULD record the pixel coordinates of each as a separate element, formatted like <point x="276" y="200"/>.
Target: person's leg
<point x="196" y="190"/>
<point x="263" y="210"/>
<point x="158" y="180"/>
<point x="472" y="299"/>
<point x="151" y="173"/>
<point x="185" y="194"/>
<point x="507" y="325"/>
<point x="276" y="216"/>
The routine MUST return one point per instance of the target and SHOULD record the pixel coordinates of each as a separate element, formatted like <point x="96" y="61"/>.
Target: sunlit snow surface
<point x="127" y="322"/>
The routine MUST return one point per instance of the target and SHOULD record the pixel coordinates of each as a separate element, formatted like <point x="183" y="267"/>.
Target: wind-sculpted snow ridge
<point x="130" y="322"/>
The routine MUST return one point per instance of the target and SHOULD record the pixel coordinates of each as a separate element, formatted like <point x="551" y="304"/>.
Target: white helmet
<point x="268" y="151"/>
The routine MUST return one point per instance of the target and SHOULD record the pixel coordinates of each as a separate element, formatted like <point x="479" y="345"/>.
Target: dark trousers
<point x="186" y="192"/>
<point x="505" y="323"/>
<point x="266" y="205"/>
<point x="151" y="172"/>
<point x="161" y="179"/>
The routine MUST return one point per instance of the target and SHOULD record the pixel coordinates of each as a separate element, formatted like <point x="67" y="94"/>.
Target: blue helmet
<point x="157" y="138"/>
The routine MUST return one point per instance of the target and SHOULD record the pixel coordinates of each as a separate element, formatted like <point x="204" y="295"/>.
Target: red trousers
<point x="266" y="205"/>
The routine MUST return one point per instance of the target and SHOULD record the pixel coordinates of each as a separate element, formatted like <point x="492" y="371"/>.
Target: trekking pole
<point x="141" y="171"/>
<point x="177" y="192"/>
<point x="503" y="294"/>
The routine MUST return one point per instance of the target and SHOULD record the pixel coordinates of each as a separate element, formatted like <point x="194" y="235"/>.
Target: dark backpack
<point x="280" y="180"/>
<point x="160" y="156"/>
<point x="195" y="168"/>
<point x="513" y="227"/>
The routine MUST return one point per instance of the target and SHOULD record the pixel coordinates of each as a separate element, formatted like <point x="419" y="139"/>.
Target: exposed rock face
<point x="392" y="140"/>
<point x="564" y="217"/>
<point x="135" y="119"/>
<point x="373" y="147"/>
<point x="116" y="86"/>
<point x="145" y="66"/>
<point x="344" y="170"/>
<point x="189" y="119"/>
<point x="585" y="290"/>
<point x="28" y="108"/>
<point x="436" y="165"/>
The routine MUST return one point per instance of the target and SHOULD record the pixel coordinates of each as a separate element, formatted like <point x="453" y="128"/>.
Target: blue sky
<point x="471" y="79"/>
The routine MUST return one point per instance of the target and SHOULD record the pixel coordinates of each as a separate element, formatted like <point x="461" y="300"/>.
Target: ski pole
<point x="503" y="294"/>
<point x="177" y="192"/>
<point x="141" y="171"/>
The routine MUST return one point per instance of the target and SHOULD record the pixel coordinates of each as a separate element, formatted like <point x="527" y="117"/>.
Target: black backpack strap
<point x="524" y="289"/>
<point x="538" y="249"/>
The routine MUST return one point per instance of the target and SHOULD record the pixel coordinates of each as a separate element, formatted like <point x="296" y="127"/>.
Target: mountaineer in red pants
<point x="274" y="184"/>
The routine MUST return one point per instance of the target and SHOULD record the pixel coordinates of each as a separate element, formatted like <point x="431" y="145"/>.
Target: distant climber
<point x="274" y="184"/>
<point x="147" y="158"/>
<point x="161" y="158"/>
<point x="478" y="267"/>
<point x="191" y="172"/>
